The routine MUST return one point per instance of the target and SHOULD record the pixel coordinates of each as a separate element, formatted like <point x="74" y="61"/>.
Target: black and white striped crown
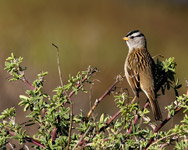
<point x="135" y="33"/>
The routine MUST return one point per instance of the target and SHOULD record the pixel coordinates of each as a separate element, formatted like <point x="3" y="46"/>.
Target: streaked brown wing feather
<point x="133" y="79"/>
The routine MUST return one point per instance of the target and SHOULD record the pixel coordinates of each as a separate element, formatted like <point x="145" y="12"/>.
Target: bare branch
<point x="58" y="64"/>
<point x="118" y="79"/>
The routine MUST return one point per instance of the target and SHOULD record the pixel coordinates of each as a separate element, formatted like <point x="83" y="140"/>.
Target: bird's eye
<point x="132" y="37"/>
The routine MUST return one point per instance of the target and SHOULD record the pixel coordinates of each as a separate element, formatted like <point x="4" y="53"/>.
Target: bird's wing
<point x="133" y="78"/>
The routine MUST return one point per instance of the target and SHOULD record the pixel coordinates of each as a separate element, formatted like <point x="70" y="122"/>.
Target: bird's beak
<point x="125" y="38"/>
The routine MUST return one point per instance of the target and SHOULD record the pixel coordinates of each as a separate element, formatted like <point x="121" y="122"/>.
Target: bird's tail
<point x="154" y="105"/>
<point x="156" y="109"/>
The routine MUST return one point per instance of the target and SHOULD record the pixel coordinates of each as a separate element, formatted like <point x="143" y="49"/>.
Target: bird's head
<point x="135" y="39"/>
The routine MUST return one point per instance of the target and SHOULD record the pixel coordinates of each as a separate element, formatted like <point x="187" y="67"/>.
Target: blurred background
<point x="87" y="33"/>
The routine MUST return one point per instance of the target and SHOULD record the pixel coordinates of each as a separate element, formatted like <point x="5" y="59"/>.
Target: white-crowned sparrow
<point x="139" y="69"/>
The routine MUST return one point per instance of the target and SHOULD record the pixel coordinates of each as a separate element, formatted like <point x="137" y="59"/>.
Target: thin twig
<point x="80" y="83"/>
<point x="137" y="117"/>
<point x="164" y="145"/>
<point x="71" y="124"/>
<point x="27" y="148"/>
<point x="28" y="139"/>
<point x="113" y="117"/>
<point x="110" y="120"/>
<point x="11" y="146"/>
<point x="158" y="55"/>
<point x="103" y="96"/>
<point x="163" y="138"/>
<point x="82" y="137"/>
<point x="146" y="119"/>
<point x="90" y="92"/>
<point x="53" y="133"/>
<point x="28" y="83"/>
<point x="58" y="64"/>
<point x="77" y="86"/>
<point x="23" y="78"/>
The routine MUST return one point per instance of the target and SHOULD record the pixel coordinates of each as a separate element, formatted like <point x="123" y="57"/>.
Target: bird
<point x="139" y="70"/>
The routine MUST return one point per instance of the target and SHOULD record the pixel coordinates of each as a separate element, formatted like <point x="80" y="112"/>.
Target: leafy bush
<point x="59" y="128"/>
